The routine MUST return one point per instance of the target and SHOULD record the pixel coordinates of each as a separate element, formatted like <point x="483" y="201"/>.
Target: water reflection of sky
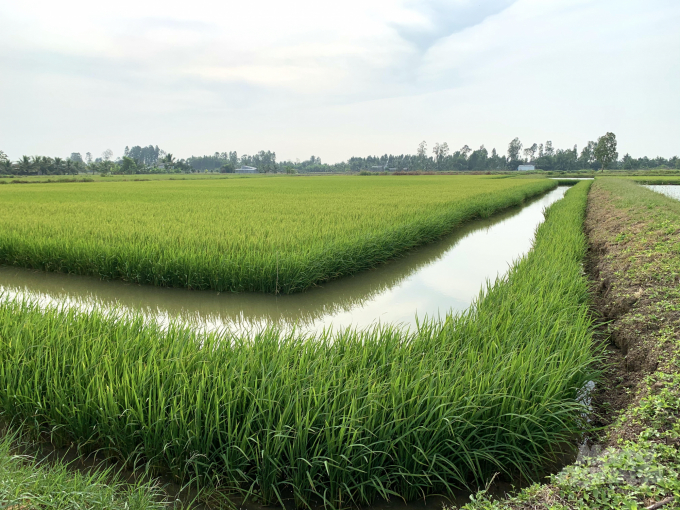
<point x="430" y="281"/>
<point x="670" y="190"/>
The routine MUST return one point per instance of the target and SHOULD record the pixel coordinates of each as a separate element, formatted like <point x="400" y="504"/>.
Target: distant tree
<point x="25" y="166"/>
<point x="107" y="155"/>
<point x="71" y="167"/>
<point x="440" y="152"/>
<point x="233" y="158"/>
<point x="3" y="157"/>
<point x="144" y="156"/>
<point x="88" y="158"/>
<point x="422" y="149"/>
<point x="549" y="150"/>
<point x="478" y="159"/>
<point x="605" y="151"/>
<point x="629" y="163"/>
<point x="227" y="168"/>
<point x="587" y="156"/>
<point x="444" y="150"/>
<point x="57" y="166"/>
<point x="76" y="157"/>
<point x="169" y="161"/>
<point x="514" y="150"/>
<point x="42" y="164"/>
<point x="464" y="151"/>
<point x="421" y="153"/>
<point x="128" y="166"/>
<point x="530" y="152"/>
<point x="566" y="159"/>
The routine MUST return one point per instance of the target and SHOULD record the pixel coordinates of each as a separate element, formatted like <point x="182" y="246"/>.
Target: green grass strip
<point x="353" y="416"/>
<point x="27" y="484"/>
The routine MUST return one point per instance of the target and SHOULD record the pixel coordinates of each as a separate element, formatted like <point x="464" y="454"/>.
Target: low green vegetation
<point x="269" y="234"/>
<point x="349" y="417"/>
<point x="26" y="484"/>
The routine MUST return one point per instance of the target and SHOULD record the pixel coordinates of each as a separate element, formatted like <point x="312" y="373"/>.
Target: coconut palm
<point x="57" y="166"/>
<point x="25" y="165"/>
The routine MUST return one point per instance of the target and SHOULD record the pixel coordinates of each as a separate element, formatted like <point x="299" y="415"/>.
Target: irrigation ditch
<point x="630" y="459"/>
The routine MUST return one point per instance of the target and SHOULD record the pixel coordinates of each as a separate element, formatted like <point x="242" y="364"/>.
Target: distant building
<point x="526" y="167"/>
<point x="246" y="170"/>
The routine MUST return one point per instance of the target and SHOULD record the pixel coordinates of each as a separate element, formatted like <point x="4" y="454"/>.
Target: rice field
<point x="343" y="418"/>
<point x="278" y="234"/>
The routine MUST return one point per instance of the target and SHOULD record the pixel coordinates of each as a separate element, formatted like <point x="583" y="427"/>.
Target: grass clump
<point x="265" y="234"/>
<point x="26" y="484"/>
<point x="342" y="418"/>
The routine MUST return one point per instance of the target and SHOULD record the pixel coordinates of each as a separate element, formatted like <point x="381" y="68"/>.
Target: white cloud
<point x="337" y="79"/>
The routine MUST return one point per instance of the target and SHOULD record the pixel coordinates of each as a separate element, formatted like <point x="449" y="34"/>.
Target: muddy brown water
<point x="431" y="281"/>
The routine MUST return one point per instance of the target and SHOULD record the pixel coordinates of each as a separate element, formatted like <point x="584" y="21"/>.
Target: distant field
<point x="263" y="234"/>
<point x="35" y="179"/>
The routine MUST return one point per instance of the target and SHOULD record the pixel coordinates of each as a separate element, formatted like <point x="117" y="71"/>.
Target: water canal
<point x="428" y="282"/>
<point x="670" y="190"/>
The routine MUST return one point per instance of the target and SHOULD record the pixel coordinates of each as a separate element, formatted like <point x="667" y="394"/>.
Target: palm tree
<point x="24" y="165"/>
<point x="168" y="161"/>
<point x="57" y="166"/>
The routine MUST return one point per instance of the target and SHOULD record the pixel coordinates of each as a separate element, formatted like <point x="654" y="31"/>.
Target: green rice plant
<point x="341" y="418"/>
<point x="27" y="484"/>
<point x="266" y="234"/>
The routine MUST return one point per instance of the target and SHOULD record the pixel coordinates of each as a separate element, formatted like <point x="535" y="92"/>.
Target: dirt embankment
<point x="631" y="265"/>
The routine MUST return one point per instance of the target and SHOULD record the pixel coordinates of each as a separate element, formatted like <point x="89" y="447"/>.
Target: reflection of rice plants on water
<point x="351" y="417"/>
<point x="270" y="235"/>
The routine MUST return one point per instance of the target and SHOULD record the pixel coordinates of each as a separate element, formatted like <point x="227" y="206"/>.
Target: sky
<point x="337" y="79"/>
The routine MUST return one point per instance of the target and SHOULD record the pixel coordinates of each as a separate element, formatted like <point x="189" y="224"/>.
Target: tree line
<point x="595" y="155"/>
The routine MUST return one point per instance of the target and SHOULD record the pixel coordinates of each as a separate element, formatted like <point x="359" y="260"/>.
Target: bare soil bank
<point x="635" y="290"/>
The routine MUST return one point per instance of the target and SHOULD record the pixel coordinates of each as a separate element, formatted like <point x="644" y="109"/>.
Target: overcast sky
<point x="336" y="79"/>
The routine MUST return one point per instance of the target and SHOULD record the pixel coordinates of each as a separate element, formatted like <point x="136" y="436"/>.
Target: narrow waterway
<point x="670" y="190"/>
<point x="428" y="282"/>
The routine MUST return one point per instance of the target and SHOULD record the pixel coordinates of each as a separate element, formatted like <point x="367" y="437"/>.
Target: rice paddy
<point x="278" y="235"/>
<point x="343" y="418"/>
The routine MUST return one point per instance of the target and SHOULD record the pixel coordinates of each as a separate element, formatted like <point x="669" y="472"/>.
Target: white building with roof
<point x="246" y="170"/>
